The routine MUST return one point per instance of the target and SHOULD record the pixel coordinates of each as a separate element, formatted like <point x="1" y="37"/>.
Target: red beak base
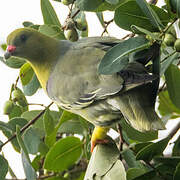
<point x="11" y="48"/>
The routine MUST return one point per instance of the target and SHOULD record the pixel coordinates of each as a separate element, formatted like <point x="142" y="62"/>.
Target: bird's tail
<point x="137" y="106"/>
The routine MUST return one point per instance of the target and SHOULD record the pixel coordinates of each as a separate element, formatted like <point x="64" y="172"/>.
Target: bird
<point x="68" y="73"/>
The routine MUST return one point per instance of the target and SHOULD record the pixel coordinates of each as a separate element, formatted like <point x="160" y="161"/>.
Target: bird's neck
<point x="43" y="67"/>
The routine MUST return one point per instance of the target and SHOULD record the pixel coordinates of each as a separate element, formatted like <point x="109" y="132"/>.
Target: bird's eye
<point x="23" y="37"/>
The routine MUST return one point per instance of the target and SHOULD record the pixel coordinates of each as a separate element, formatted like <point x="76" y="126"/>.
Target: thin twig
<point x="75" y="14"/>
<point x="121" y="140"/>
<point x="128" y="36"/>
<point x="106" y="25"/>
<point x="34" y="104"/>
<point x="26" y="126"/>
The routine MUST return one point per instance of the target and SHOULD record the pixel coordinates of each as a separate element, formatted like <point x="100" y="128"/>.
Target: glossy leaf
<point x="150" y="14"/>
<point x="170" y="161"/>
<point x="28" y="169"/>
<point x="165" y="64"/>
<point x="102" y="159"/>
<point x="48" y="122"/>
<point x="116" y="58"/>
<point x="166" y="107"/>
<point x="137" y="135"/>
<point x="49" y="14"/>
<point x="177" y="173"/>
<point x="3" y="167"/>
<point x="129" y="13"/>
<point x="130" y="159"/>
<point x="176" y="148"/>
<point x="29" y="115"/>
<point x="132" y="173"/>
<point x="112" y="1"/>
<point x="32" y="86"/>
<point x="13" y="62"/>
<point x="52" y="31"/>
<point x="88" y="5"/>
<point x="72" y="127"/>
<point x="63" y="154"/>
<point x="172" y="76"/>
<point x="12" y="125"/>
<point x="26" y="74"/>
<point x="101" y="18"/>
<point x="31" y="140"/>
<point x="152" y="150"/>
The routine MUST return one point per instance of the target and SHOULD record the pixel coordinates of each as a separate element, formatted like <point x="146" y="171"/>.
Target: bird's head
<point x="27" y="43"/>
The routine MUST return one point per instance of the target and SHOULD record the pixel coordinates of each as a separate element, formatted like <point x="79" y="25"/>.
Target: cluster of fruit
<point x="17" y="99"/>
<point x="71" y="26"/>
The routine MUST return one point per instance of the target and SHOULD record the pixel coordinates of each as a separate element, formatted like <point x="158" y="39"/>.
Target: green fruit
<point x="19" y="98"/>
<point x="71" y="34"/>
<point x="169" y="39"/>
<point x="81" y="25"/>
<point x="8" y="107"/>
<point x="172" y="31"/>
<point x="67" y="2"/>
<point x="177" y="45"/>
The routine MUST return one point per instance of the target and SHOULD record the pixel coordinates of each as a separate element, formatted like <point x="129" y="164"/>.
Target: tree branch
<point x="26" y="126"/>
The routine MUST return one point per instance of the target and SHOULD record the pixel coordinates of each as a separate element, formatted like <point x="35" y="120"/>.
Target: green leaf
<point x="130" y="159"/>
<point x="101" y="18"/>
<point x="116" y="58"/>
<point x="116" y="172"/>
<point x="176" y="148"/>
<point x="63" y="154"/>
<point x="137" y="135"/>
<point x="152" y="150"/>
<point x="134" y="172"/>
<point x="166" y="107"/>
<point x="112" y="1"/>
<point x="48" y="122"/>
<point x="150" y="14"/>
<point x="13" y="62"/>
<point x="165" y="64"/>
<point x="177" y="172"/>
<point x="129" y="13"/>
<point x="27" y="23"/>
<point x="31" y="140"/>
<point x="88" y="5"/>
<point x="53" y="31"/>
<point x="49" y="14"/>
<point x="73" y="126"/>
<point x="12" y="125"/>
<point x="170" y="161"/>
<point x="43" y="148"/>
<point x="36" y="163"/>
<point x="4" y="167"/>
<point x="26" y="74"/>
<point x="32" y="86"/>
<point x="29" y="171"/>
<point x="4" y="47"/>
<point x="29" y="115"/>
<point x="172" y="76"/>
<point x="102" y="160"/>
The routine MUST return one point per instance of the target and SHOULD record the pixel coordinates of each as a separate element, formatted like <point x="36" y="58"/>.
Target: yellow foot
<point x="99" y="136"/>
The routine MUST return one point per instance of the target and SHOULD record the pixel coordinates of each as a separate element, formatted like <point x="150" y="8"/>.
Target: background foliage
<point x="59" y="140"/>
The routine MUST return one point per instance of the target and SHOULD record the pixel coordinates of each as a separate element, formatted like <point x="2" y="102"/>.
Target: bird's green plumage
<point x="69" y="73"/>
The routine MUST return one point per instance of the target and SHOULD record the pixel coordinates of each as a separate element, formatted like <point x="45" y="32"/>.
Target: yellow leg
<point x="98" y="136"/>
